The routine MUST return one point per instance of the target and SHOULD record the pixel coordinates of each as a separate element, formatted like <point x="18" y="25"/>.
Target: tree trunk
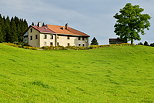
<point x="131" y="41"/>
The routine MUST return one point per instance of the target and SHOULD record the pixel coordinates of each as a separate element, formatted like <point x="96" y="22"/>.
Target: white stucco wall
<point x="34" y="42"/>
<point x="61" y="39"/>
<point x="73" y="41"/>
<point x="47" y="41"/>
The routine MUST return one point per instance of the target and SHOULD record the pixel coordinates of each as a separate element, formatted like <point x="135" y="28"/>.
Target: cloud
<point x="94" y="17"/>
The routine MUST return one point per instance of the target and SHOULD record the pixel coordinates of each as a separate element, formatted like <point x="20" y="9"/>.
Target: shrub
<point x="53" y="48"/>
<point x="152" y="44"/>
<point x="29" y="47"/>
<point x="140" y="43"/>
<point x="60" y="48"/>
<point x="100" y="46"/>
<point x="48" y="47"/>
<point x="76" y="48"/>
<point x="12" y="44"/>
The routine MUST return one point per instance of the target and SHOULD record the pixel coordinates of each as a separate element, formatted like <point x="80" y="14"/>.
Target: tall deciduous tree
<point x="94" y="41"/>
<point x="131" y="23"/>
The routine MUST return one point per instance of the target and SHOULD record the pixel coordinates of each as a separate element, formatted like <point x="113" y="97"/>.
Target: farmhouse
<point x="54" y="35"/>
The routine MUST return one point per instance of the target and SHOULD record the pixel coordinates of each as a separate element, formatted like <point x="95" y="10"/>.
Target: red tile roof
<point x="43" y="29"/>
<point x="55" y="29"/>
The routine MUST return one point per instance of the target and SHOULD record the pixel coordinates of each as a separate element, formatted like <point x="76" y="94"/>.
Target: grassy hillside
<point x="123" y="74"/>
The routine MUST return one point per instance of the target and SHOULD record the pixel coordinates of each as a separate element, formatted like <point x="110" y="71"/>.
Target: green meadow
<point x="118" y="74"/>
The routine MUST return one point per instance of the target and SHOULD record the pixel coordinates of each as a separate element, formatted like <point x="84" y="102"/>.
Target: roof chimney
<point x="66" y="26"/>
<point x="39" y="24"/>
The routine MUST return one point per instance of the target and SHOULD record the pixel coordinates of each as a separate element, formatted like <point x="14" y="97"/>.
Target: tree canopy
<point x="94" y="41"/>
<point x="131" y="23"/>
<point x="11" y="30"/>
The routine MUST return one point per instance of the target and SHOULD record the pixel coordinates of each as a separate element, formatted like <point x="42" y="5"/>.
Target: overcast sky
<point x="94" y="17"/>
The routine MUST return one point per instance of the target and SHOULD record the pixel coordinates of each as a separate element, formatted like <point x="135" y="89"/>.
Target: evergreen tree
<point x="94" y="41"/>
<point x="140" y="43"/>
<point x="32" y="24"/>
<point x="146" y="43"/>
<point x="1" y="32"/>
<point x="12" y="30"/>
<point x="152" y="44"/>
<point x="43" y="24"/>
<point x="7" y="29"/>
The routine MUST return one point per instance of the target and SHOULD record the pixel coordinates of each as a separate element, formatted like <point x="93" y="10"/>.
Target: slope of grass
<point x="123" y="74"/>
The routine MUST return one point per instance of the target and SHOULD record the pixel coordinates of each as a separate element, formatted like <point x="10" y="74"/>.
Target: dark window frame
<point x="36" y="37"/>
<point x="31" y="30"/>
<point x="45" y="36"/>
<point x="68" y="37"/>
<point x="83" y="38"/>
<point x="51" y="43"/>
<point x="51" y="36"/>
<point x="68" y="44"/>
<point x="57" y="43"/>
<point x="31" y="38"/>
<point x="79" y="38"/>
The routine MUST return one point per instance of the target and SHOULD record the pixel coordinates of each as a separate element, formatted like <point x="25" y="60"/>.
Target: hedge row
<point x="66" y="48"/>
<point x="111" y="45"/>
<point x="22" y="46"/>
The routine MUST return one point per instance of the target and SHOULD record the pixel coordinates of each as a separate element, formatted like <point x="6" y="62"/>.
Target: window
<point x="45" y="36"/>
<point x="57" y="43"/>
<point x="45" y="43"/>
<point x="51" y="43"/>
<point x="30" y="37"/>
<point x="79" y="44"/>
<point x="82" y="38"/>
<point x="68" y="44"/>
<point x="31" y="30"/>
<point x="36" y="36"/>
<point x="68" y="37"/>
<point x="83" y="44"/>
<point x="51" y="36"/>
<point x="79" y="38"/>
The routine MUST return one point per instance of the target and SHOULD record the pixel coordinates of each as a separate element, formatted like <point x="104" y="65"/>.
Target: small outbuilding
<point x="116" y="41"/>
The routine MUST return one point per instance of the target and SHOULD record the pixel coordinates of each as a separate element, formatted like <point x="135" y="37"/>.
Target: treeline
<point x="12" y="29"/>
<point x="146" y="44"/>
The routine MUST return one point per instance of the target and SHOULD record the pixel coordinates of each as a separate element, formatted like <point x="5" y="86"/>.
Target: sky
<point x="93" y="17"/>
